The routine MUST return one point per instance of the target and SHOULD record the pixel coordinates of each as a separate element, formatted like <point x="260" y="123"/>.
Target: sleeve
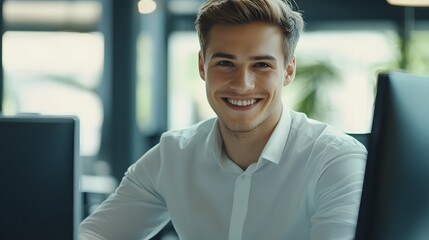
<point x="337" y="193"/>
<point x="135" y="210"/>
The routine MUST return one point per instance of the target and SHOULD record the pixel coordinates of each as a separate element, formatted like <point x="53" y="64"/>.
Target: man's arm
<point x="337" y="197"/>
<point x="135" y="210"/>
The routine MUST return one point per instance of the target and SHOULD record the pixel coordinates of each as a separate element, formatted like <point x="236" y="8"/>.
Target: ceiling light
<point x="146" y="6"/>
<point x="411" y="3"/>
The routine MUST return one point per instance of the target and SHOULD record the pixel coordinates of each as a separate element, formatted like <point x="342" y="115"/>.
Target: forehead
<point x="242" y="39"/>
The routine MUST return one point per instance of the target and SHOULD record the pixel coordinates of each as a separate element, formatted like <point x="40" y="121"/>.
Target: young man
<point x="258" y="170"/>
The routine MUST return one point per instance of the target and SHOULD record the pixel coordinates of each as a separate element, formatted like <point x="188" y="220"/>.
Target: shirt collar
<point x="214" y="146"/>
<point x="214" y="142"/>
<point x="273" y="150"/>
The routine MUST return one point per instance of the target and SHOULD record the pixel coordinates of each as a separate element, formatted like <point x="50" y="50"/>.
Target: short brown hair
<point x="235" y="12"/>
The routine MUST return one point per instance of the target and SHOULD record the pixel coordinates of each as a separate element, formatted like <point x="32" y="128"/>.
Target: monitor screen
<point x="40" y="198"/>
<point x="395" y="197"/>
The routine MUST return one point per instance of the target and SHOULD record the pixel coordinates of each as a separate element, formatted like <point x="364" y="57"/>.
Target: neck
<point x="245" y="148"/>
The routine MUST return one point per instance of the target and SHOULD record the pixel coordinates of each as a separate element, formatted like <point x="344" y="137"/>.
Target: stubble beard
<point x="242" y="132"/>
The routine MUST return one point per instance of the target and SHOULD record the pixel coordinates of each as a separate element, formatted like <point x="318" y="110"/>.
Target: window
<point x="340" y="68"/>
<point x="187" y="103"/>
<point x="48" y="70"/>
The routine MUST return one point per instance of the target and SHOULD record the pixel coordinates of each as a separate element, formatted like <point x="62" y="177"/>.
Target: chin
<point x="239" y="126"/>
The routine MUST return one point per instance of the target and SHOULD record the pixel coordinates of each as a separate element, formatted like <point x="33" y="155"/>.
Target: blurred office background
<point x="128" y="69"/>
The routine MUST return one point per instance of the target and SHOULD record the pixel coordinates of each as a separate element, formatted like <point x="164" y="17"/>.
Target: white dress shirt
<point x="306" y="185"/>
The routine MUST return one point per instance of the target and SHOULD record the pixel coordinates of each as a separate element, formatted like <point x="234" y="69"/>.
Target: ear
<point x="201" y="65"/>
<point x="290" y="71"/>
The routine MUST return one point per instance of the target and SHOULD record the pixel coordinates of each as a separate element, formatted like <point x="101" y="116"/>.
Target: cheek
<point x="212" y="84"/>
<point x="272" y="82"/>
<point x="216" y="78"/>
<point x="273" y="88"/>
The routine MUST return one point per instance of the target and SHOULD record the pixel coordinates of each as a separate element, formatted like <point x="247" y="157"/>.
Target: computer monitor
<point x="395" y="197"/>
<point x="39" y="176"/>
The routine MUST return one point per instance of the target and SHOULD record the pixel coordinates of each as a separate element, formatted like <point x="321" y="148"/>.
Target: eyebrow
<point x="223" y="55"/>
<point x="254" y="58"/>
<point x="264" y="57"/>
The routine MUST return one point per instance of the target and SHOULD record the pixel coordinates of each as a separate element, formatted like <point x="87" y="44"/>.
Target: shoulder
<point x="324" y="148"/>
<point x="322" y="137"/>
<point x="334" y="160"/>
<point x="186" y="134"/>
<point x="174" y="145"/>
<point x="184" y="137"/>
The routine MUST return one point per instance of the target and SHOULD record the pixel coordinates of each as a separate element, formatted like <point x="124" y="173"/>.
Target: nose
<point x="243" y="80"/>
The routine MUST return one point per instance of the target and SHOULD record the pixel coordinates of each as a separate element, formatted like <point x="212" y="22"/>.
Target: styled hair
<point x="235" y="12"/>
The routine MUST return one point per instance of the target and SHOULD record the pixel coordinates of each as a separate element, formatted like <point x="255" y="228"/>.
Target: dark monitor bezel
<point x="378" y="217"/>
<point x="68" y="122"/>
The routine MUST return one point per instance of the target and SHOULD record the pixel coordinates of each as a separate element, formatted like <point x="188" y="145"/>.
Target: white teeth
<point x="241" y="103"/>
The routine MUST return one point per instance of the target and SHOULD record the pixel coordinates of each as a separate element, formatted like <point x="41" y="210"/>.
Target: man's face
<point x="244" y="70"/>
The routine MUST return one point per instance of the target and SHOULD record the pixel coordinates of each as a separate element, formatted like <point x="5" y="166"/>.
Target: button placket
<point x="240" y="205"/>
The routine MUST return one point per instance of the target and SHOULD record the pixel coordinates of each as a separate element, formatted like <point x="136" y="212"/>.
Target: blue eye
<point x="225" y="63"/>
<point x="261" y="65"/>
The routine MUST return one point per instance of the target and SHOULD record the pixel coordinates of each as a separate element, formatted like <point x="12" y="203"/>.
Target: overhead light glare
<point x="410" y="3"/>
<point x="146" y="6"/>
<point x="52" y="13"/>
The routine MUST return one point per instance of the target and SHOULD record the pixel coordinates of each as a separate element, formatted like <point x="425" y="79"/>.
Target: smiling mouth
<point x="241" y="103"/>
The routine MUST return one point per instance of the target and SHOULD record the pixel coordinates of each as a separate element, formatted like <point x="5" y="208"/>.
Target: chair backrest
<point x="361" y="137"/>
